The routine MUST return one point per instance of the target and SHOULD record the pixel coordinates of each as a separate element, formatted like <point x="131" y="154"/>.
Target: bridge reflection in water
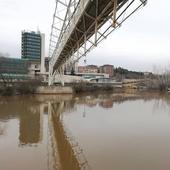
<point x="65" y="153"/>
<point x="27" y="132"/>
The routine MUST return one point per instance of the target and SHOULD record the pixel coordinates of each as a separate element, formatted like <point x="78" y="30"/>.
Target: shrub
<point x="7" y="91"/>
<point x="89" y="87"/>
<point x="28" y="87"/>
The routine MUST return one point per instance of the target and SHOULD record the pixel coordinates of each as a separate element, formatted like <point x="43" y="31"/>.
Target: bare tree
<point x="161" y="78"/>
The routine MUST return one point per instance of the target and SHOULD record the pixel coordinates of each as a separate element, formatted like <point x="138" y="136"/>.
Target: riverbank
<point x="34" y="87"/>
<point x="19" y="88"/>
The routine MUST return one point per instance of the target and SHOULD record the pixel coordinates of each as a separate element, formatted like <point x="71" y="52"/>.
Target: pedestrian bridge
<point x="79" y="25"/>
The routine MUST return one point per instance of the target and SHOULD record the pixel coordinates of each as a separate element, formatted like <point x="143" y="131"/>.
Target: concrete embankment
<point x="54" y="90"/>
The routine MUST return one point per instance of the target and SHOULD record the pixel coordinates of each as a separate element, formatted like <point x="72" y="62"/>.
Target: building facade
<point x="81" y="69"/>
<point x="33" y="47"/>
<point x="88" y="69"/>
<point x="13" y="66"/>
<point x="107" y="69"/>
<point x="19" y="68"/>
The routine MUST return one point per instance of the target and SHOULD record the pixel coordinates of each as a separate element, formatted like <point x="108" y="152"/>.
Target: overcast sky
<point x="142" y="42"/>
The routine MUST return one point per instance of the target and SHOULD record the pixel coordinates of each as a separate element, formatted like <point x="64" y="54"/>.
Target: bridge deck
<point x="94" y="11"/>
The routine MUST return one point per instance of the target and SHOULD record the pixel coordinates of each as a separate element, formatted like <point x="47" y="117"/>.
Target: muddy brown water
<point x="97" y="132"/>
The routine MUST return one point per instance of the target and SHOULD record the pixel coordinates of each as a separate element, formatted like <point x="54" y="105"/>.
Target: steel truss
<point x="80" y="25"/>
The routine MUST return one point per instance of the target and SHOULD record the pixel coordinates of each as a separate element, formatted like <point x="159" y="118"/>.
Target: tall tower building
<point x="33" y="47"/>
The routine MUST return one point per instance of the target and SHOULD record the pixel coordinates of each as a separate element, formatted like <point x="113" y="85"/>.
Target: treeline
<point x="125" y="73"/>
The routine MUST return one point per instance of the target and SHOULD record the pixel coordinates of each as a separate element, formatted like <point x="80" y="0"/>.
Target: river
<point x="121" y="131"/>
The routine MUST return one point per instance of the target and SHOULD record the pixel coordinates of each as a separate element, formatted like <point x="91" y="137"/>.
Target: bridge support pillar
<point x="57" y="76"/>
<point x="61" y="75"/>
<point x="50" y="82"/>
<point x="62" y="83"/>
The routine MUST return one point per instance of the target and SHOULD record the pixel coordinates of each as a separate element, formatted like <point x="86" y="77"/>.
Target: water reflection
<point x="2" y="128"/>
<point x="106" y="101"/>
<point x="122" y="132"/>
<point x="29" y="116"/>
<point x="63" y="150"/>
<point x="30" y="127"/>
<point x="30" y="111"/>
<point x="67" y="154"/>
<point x="39" y="115"/>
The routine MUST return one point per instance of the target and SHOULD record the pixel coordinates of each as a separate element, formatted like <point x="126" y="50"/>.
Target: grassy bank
<point x="20" y="88"/>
